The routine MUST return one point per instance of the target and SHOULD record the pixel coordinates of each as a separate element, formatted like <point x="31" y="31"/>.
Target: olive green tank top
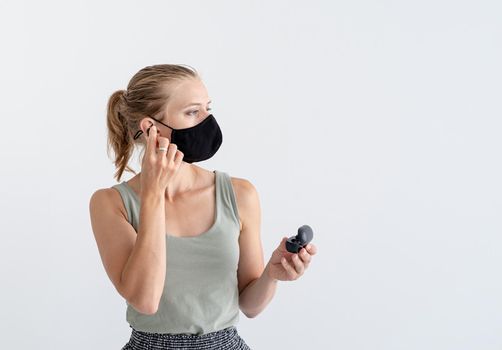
<point x="200" y="290"/>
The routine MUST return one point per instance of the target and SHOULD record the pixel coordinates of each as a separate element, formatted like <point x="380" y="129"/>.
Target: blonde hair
<point x="147" y="95"/>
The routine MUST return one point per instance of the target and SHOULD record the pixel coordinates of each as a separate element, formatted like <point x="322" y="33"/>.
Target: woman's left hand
<point x="286" y="266"/>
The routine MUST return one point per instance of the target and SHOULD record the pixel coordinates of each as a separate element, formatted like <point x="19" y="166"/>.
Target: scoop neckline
<point x="216" y="216"/>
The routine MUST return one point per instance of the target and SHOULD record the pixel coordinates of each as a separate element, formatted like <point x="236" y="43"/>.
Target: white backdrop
<point x="378" y="123"/>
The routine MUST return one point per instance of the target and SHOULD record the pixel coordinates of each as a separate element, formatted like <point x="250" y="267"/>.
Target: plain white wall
<point x="378" y="123"/>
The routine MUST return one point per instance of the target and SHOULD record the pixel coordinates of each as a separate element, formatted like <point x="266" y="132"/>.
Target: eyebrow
<point x="196" y="104"/>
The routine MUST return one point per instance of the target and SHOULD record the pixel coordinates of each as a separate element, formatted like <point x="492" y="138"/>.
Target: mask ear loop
<point x="139" y="132"/>
<point x="158" y="121"/>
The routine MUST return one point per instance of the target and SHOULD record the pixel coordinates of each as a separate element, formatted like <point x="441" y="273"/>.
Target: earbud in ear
<point x="304" y="236"/>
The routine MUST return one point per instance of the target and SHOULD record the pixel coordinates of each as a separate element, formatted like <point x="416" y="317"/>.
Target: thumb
<point x="282" y="245"/>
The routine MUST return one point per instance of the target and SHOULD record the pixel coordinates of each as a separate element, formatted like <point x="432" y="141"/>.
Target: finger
<point x="306" y="257"/>
<point x="282" y="245"/>
<point x="163" y="142"/>
<point x="298" y="263"/>
<point x="311" y="248"/>
<point x="172" y="151"/>
<point x="179" y="157"/>
<point x="152" y="140"/>
<point x="289" y="269"/>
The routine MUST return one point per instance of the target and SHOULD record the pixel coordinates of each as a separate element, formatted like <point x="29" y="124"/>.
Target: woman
<point x="180" y="243"/>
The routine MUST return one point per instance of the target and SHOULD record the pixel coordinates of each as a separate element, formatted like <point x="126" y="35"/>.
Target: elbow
<point x="143" y="300"/>
<point x="249" y="313"/>
<point x="142" y="303"/>
<point x="150" y="309"/>
<point x="245" y="309"/>
<point x="146" y="306"/>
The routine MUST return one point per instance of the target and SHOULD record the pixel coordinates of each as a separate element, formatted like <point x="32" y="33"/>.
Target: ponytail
<point x="119" y="136"/>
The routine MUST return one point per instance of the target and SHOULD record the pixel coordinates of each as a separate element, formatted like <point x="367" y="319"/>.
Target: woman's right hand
<point x="159" y="167"/>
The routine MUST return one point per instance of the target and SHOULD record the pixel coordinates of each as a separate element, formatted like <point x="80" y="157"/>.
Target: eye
<point x="192" y="112"/>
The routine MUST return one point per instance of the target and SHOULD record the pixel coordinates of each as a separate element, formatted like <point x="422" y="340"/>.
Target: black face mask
<point x="198" y="143"/>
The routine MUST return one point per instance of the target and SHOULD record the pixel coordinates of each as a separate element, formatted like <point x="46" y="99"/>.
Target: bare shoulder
<point x="106" y="199"/>
<point x="102" y="194"/>
<point x="247" y="198"/>
<point x="244" y="189"/>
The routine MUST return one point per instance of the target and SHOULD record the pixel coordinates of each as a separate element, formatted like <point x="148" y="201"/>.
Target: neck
<point x="183" y="181"/>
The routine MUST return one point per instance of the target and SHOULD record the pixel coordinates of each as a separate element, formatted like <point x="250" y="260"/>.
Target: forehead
<point x="188" y="91"/>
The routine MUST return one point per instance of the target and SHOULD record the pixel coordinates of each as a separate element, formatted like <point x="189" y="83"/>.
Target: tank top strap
<point x="227" y="200"/>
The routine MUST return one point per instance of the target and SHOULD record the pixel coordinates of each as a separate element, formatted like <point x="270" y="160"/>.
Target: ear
<point x="144" y="125"/>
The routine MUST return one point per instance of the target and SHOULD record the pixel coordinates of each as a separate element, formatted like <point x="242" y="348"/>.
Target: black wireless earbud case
<point x="304" y="236"/>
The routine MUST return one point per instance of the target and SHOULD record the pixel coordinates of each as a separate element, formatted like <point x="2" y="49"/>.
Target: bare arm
<point x="145" y="270"/>
<point x="257" y="285"/>
<point x="134" y="262"/>
<point x="256" y="289"/>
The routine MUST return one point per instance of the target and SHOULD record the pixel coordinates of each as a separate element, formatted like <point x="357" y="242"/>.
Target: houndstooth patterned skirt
<point x="225" y="339"/>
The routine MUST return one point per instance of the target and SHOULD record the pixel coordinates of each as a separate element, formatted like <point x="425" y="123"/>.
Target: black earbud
<point x="304" y="236"/>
